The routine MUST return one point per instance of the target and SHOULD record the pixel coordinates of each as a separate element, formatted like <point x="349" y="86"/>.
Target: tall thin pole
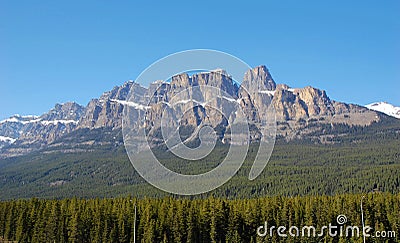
<point x="362" y="218"/>
<point x="134" y="227"/>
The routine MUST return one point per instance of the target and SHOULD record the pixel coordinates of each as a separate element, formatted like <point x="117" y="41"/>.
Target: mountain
<point x="386" y="108"/>
<point x="24" y="134"/>
<point x="300" y="112"/>
<point x="323" y="146"/>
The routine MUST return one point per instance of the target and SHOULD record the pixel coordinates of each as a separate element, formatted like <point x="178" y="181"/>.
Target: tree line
<point x="192" y="220"/>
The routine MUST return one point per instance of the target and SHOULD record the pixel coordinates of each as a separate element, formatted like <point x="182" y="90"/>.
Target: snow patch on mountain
<point x="15" y="119"/>
<point x="203" y="104"/>
<point x="55" y="122"/>
<point x="131" y="104"/>
<point x="228" y="98"/>
<point x="386" y="108"/>
<point x="21" y="119"/>
<point x="7" y="139"/>
<point x="268" y="92"/>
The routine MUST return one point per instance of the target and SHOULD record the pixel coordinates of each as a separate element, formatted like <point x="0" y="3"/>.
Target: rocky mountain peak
<point x="180" y="81"/>
<point x="294" y="107"/>
<point x="216" y="78"/>
<point x="66" y="111"/>
<point x="259" y="78"/>
<point x="118" y="92"/>
<point x="107" y="110"/>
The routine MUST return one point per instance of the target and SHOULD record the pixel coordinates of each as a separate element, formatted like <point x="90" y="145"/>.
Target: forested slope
<point x="294" y="169"/>
<point x="199" y="220"/>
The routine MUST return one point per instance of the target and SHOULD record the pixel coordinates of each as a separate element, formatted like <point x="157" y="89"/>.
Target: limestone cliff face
<point x="193" y="100"/>
<point x="287" y="105"/>
<point x="256" y="93"/>
<point x="311" y="103"/>
<point x="107" y="110"/>
<point x="293" y="107"/>
<point x="295" y="104"/>
<point x="258" y="79"/>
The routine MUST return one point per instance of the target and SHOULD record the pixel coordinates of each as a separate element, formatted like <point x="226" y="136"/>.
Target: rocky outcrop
<point x="295" y="104"/>
<point x="70" y="111"/>
<point x="197" y="99"/>
<point x="37" y="131"/>
<point x="258" y="79"/>
<point x="311" y="103"/>
<point x="107" y="110"/>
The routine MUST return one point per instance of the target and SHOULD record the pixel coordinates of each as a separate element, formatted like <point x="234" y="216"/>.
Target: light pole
<point x="134" y="227"/>
<point x="134" y="224"/>
<point x="362" y="218"/>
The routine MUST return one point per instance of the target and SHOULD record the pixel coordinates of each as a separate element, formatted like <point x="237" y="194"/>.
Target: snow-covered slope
<point x="21" y="119"/>
<point x="7" y="139"/>
<point x="386" y="108"/>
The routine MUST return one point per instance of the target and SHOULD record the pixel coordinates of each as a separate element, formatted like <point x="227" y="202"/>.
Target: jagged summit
<point x="40" y="130"/>
<point x="295" y="109"/>
<point x="259" y="78"/>
<point x="65" y="111"/>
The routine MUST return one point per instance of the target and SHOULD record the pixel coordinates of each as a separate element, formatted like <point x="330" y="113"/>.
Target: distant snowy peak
<point x="35" y="119"/>
<point x="66" y="113"/>
<point x="386" y="108"/>
<point x="21" y="119"/>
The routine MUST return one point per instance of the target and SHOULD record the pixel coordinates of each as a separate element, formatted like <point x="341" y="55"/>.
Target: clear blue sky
<point x="58" y="51"/>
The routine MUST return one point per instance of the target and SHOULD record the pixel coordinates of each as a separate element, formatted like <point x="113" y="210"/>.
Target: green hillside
<point x="354" y="164"/>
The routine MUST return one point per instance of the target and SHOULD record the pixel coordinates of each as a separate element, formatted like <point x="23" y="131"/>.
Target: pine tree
<point x="22" y="232"/>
